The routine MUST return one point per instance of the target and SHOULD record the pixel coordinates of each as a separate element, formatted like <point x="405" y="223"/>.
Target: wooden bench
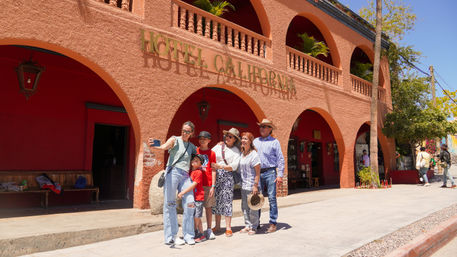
<point x="66" y="179"/>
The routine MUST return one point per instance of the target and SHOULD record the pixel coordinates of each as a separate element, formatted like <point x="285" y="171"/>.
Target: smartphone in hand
<point x="155" y="142"/>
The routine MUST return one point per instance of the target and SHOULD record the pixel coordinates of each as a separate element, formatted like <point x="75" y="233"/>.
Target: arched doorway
<point x="73" y="123"/>
<point x="313" y="156"/>
<point x="215" y="109"/>
<point x="363" y="143"/>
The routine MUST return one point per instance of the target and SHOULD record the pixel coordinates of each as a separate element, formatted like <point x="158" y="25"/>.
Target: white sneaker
<point x="210" y="235"/>
<point x="427" y="184"/>
<point x="421" y="179"/>
<point x="190" y="242"/>
<point x="179" y="241"/>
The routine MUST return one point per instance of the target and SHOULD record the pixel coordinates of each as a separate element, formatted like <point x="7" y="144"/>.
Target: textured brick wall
<point x="107" y="40"/>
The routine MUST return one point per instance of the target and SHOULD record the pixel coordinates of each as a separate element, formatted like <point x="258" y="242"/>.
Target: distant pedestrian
<point x="445" y="158"/>
<point x="422" y="164"/>
<point x="365" y="159"/>
<point x="272" y="167"/>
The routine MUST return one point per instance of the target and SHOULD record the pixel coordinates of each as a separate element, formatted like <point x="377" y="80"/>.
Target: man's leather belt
<point x="267" y="169"/>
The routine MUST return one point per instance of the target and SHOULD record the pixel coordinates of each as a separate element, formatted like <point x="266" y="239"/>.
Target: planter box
<point x="408" y="176"/>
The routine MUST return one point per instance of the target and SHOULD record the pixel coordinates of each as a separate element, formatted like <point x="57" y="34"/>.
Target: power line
<point x="428" y="75"/>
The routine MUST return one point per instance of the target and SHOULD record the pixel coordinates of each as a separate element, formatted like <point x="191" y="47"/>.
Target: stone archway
<point x="59" y="123"/>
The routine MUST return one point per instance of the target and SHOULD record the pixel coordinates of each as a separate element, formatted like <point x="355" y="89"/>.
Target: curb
<point x="49" y="242"/>
<point x="430" y="242"/>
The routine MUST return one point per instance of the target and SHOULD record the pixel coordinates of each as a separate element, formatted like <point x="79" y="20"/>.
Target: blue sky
<point x="434" y="35"/>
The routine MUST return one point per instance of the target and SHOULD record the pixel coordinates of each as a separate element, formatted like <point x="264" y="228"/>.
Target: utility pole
<point x="432" y="83"/>
<point x="432" y="75"/>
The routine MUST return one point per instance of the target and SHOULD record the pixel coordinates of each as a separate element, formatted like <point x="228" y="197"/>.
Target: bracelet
<point x="213" y="185"/>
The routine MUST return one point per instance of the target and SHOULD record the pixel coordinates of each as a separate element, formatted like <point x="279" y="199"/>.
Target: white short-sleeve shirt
<point x="247" y="164"/>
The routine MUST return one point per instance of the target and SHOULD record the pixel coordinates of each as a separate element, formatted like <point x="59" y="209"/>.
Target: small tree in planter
<point x="366" y="177"/>
<point x="311" y="46"/>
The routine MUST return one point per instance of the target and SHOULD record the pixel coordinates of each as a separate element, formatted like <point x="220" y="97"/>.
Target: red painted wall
<point x="223" y="106"/>
<point x="309" y="121"/>
<point x="48" y="131"/>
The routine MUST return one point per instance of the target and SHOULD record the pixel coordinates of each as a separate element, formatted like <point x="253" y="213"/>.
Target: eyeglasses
<point x="265" y="126"/>
<point x="186" y="131"/>
<point x="229" y="136"/>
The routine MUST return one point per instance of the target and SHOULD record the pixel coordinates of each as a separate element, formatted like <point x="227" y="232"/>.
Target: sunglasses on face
<point x="229" y="136"/>
<point x="265" y="126"/>
<point x="186" y="131"/>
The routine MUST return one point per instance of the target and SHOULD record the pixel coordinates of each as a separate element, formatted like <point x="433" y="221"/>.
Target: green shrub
<point x="366" y="178"/>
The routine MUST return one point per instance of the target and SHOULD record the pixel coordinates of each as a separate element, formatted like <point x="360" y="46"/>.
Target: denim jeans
<point x="251" y="218"/>
<point x="177" y="180"/>
<point x="447" y="175"/>
<point x="267" y="180"/>
<point x="423" y="173"/>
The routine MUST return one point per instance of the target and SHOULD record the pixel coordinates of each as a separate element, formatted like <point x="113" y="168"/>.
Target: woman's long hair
<point x="250" y="136"/>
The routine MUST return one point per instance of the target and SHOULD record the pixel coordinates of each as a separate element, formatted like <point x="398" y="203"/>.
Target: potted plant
<point x="362" y="70"/>
<point x="217" y="8"/>
<point x="311" y="46"/>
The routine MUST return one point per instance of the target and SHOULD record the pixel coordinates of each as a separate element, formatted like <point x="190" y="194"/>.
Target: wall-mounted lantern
<point x="28" y="75"/>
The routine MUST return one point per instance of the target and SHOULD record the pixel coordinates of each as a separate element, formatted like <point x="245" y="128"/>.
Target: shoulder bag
<point x="236" y="175"/>
<point x="161" y="181"/>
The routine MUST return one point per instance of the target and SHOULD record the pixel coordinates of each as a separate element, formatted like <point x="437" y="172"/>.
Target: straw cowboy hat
<point x="234" y="132"/>
<point x="255" y="201"/>
<point x="267" y="122"/>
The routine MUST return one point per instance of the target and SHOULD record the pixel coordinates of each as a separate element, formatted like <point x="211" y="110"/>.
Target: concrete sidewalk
<point x="320" y="223"/>
<point x="44" y="232"/>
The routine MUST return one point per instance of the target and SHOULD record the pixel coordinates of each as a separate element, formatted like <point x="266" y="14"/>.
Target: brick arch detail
<point x="326" y="34"/>
<point x="263" y="18"/>
<point x="370" y="53"/>
<point x="384" y="141"/>
<point x="336" y="131"/>
<point x="93" y="66"/>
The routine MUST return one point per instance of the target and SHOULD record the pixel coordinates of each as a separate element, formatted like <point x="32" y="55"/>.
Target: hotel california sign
<point x="163" y="46"/>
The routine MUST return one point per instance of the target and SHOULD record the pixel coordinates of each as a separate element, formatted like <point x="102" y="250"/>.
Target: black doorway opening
<point x="109" y="161"/>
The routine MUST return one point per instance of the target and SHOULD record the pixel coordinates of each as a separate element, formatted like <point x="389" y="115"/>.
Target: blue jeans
<point x="267" y="180"/>
<point x="423" y="173"/>
<point x="177" y="180"/>
<point x="446" y="176"/>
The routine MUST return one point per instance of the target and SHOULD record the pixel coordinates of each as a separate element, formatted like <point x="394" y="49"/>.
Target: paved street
<point x="330" y="227"/>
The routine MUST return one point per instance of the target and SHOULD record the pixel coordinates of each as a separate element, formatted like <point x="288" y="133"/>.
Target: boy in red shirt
<point x="196" y="175"/>
<point x="209" y="178"/>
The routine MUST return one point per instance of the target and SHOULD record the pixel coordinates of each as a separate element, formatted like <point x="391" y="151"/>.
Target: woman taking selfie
<point x="177" y="178"/>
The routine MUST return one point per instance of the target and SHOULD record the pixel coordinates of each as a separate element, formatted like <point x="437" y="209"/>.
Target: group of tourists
<point x="424" y="161"/>
<point x="204" y="179"/>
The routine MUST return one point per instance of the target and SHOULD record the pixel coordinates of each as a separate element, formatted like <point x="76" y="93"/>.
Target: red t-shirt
<point x="210" y="156"/>
<point x="199" y="193"/>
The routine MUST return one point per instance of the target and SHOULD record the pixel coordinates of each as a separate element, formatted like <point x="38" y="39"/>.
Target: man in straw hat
<point x="271" y="168"/>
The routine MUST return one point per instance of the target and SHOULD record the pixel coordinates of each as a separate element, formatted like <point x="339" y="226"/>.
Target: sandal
<point x="215" y="230"/>
<point x="228" y="233"/>
<point x="252" y="232"/>
<point x="245" y="230"/>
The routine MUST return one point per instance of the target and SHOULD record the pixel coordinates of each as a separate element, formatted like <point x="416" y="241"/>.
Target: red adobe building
<point x="117" y="72"/>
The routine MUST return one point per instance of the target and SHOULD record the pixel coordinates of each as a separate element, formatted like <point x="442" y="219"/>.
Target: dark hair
<point x="444" y="146"/>
<point x="422" y="148"/>
<point x="250" y="136"/>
